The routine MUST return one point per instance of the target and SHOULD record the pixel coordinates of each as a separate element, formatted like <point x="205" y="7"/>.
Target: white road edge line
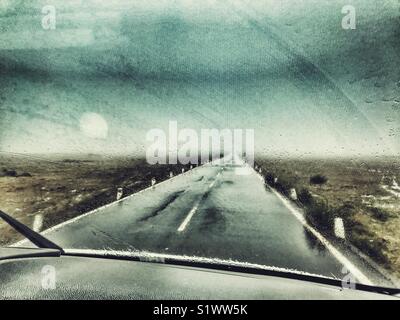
<point x="335" y="252"/>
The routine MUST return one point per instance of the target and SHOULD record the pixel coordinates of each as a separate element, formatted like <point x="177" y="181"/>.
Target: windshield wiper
<point x="31" y="235"/>
<point x="223" y="265"/>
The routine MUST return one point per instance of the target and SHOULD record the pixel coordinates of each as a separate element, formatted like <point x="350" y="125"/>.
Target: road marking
<point x="335" y="252"/>
<point x="215" y="180"/>
<point x="185" y="222"/>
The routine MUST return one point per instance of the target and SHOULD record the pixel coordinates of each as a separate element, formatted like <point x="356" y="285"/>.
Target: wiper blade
<point x="223" y="265"/>
<point x="33" y="236"/>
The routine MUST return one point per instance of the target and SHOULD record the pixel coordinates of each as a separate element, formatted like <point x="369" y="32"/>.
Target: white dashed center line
<point x="185" y="222"/>
<point x="211" y="184"/>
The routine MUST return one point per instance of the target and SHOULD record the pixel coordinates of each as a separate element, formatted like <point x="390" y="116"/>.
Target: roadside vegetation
<point x="362" y="193"/>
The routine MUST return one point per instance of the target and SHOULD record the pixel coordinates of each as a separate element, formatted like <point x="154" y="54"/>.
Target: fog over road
<point x="216" y="211"/>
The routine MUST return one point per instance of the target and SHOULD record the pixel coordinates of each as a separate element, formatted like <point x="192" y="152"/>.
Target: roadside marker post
<point x="293" y="194"/>
<point x="37" y="223"/>
<point x="339" y="228"/>
<point x="119" y="193"/>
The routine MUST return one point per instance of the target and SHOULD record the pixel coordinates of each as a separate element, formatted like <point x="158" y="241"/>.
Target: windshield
<point x="256" y="132"/>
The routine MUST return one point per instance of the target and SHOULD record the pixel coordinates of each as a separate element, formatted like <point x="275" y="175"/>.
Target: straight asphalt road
<point x="219" y="210"/>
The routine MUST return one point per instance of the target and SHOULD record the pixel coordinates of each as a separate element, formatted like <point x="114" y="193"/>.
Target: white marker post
<point x="119" y="193"/>
<point x="37" y="222"/>
<point x="183" y="170"/>
<point x="293" y="194"/>
<point x="339" y="228"/>
<point x="171" y="174"/>
<point x="153" y="182"/>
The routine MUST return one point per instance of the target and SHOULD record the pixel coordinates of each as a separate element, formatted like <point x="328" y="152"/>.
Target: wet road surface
<point x="217" y="211"/>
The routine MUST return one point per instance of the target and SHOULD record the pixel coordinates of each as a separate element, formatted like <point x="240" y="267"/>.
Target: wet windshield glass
<point x="259" y="132"/>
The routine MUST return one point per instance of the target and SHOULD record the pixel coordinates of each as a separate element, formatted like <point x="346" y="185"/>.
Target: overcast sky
<point x="112" y="70"/>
